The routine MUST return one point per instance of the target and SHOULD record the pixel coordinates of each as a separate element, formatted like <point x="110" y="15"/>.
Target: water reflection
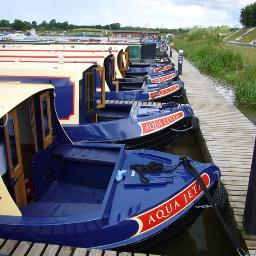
<point x="227" y="91"/>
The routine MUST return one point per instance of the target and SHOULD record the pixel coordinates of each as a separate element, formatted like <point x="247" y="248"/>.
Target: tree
<point x="115" y="26"/>
<point x="34" y="24"/>
<point x="18" y="25"/>
<point x="5" y="23"/>
<point x="52" y="24"/>
<point x="248" y="15"/>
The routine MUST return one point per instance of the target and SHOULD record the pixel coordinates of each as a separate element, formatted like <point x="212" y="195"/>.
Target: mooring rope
<point x="235" y="241"/>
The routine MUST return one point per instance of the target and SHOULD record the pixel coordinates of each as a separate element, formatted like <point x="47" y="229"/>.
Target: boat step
<point x="22" y="248"/>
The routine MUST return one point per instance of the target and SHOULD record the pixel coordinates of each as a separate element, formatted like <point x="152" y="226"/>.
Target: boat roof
<point x="13" y="93"/>
<point x="63" y="47"/>
<point x="44" y="69"/>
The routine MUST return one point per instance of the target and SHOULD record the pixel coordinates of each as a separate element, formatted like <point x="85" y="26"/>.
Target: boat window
<point x="90" y="92"/>
<point x="101" y="71"/>
<point x="46" y="119"/>
<point x="13" y="141"/>
<point x="2" y="160"/>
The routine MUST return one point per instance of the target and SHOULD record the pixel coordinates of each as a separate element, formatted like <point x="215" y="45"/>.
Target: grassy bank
<point x="233" y="64"/>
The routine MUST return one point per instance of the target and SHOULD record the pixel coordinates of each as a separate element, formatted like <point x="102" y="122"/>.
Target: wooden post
<point x="249" y="220"/>
<point x="180" y="61"/>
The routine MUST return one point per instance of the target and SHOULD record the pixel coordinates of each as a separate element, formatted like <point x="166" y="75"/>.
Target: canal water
<point x="226" y="90"/>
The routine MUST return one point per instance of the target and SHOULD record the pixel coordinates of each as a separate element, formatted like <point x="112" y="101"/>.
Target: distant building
<point x="2" y="29"/>
<point x="135" y="33"/>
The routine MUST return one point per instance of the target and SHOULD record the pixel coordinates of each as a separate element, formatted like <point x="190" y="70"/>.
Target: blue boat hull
<point x="134" y="212"/>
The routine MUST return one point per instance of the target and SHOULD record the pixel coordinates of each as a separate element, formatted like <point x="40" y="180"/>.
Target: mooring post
<point x="249" y="220"/>
<point x="170" y="50"/>
<point x="180" y="61"/>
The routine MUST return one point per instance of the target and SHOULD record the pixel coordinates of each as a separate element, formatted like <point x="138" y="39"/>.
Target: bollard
<point x="180" y="61"/>
<point x="170" y="50"/>
<point x="249" y="220"/>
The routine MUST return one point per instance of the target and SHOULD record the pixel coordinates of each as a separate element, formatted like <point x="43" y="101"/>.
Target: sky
<point x="144" y="13"/>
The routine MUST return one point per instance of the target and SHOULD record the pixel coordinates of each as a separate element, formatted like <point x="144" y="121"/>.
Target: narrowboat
<point x="89" y="118"/>
<point x="88" y="195"/>
<point x="115" y="61"/>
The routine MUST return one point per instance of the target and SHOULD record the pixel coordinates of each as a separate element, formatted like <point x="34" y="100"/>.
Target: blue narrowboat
<point x="115" y="59"/>
<point x="87" y="195"/>
<point x="89" y="118"/>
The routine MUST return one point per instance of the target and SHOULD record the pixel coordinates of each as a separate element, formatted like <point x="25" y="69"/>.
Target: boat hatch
<point x="42" y="173"/>
<point x="123" y="61"/>
<point x="93" y="82"/>
<point x="110" y="75"/>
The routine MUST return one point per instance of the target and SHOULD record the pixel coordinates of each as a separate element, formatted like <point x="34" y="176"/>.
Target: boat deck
<point x="21" y="248"/>
<point x="228" y="138"/>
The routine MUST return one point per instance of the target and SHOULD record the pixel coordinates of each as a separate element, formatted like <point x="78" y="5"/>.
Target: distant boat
<point x="20" y="37"/>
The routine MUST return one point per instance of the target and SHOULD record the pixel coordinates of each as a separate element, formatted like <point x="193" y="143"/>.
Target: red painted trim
<point x="57" y="61"/>
<point x="72" y="83"/>
<point x="49" y="57"/>
<point x="51" y="50"/>
<point x="171" y="207"/>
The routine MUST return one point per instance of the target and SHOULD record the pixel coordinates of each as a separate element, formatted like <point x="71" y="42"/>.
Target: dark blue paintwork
<point x="125" y="128"/>
<point x="143" y="93"/>
<point x="64" y="88"/>
<point x="80" y="202"/>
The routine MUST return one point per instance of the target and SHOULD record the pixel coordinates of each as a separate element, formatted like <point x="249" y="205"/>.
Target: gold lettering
<point x="151" y="219"/>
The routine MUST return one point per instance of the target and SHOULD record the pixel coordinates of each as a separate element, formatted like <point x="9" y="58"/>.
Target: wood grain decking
<point x="21" y="248"/>
<point x="228" y="135"/>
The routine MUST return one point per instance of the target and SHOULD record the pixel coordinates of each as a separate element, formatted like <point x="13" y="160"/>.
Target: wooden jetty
<point x="20" y="248"/>
<point x="228" y="139"/>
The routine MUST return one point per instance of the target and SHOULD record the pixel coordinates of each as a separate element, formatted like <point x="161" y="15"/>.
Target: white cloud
<point x="152" y="13"/>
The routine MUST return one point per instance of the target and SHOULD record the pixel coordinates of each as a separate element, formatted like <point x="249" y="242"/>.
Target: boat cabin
<point x="76" y="86"/>
<point x="42" y="174"/>
<point x="68" y="53"/>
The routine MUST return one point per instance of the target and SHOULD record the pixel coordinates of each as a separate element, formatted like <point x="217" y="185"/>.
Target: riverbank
<point x="236" y="65"/>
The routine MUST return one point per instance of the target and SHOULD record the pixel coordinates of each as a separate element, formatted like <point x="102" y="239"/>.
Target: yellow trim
<point x="7" y="205"/>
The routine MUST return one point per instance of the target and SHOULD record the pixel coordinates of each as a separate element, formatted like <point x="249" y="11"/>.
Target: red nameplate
<point x="167" y="210"/>
<point x="160" y="123"/>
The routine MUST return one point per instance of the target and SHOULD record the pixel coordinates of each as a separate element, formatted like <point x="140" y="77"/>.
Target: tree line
<point x="51" y="25"/>
<point x="248" y="15"/>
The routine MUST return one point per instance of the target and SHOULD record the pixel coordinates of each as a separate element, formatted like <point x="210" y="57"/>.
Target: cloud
<point x="151" y="13"/>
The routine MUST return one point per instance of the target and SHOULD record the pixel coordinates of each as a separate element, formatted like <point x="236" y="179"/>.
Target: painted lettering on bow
<point x="150" y="126"/>
<point x="170" y="208"/>
<point x="163" y="92"/>
<point x="167" y="67"/>
<point x="163" y="78"/>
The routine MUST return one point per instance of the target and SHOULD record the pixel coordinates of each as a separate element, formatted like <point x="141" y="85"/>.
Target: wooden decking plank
<point x="110" y="253"/>
<point x="125" y="254"/>
<point x="80" y="252"/>
<point x="2" y="241"/>
<point x="36" y="249"/>
<point x="9" y="247"/>
<point x="65" y="251"/>
<point x="22" y="248"/>
<point x="51" y="250"/>
<point x="95" y="252"/>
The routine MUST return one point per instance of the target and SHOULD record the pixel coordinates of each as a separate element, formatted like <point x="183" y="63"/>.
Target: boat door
<point x="123" y="62"/>
<point x="13" y="148"/>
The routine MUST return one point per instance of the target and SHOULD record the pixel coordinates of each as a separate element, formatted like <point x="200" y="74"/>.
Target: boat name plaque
<point x="150" y="126"/>
<point x="167" y="210"/>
